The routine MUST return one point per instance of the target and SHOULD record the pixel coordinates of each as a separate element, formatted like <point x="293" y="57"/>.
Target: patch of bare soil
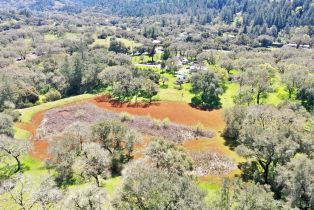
<point x="39" y="147"/>
<point x="177" y="112"/>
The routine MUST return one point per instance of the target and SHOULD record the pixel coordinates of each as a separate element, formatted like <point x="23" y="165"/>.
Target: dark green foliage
<point x="278" y="14"/>
<point x="165" y="55"/>
<point x="75" y="77"/>
<point x="117" y="47"/>
<point x="208" y="85"/>
<point x="149" y="89"/>
<point x="152" y="52"/>
<point x="306" y="94"/>
<point x="234" y="118"/>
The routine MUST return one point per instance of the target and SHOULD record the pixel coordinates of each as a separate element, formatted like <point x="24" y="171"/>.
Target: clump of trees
<point x="127" y="84"/>
<point x="208" y="87"/>
<point x="161" y="181"/>
<point x="117" y="46"/>
<point x="92" y="155"/>
<point x="25" y="195"/>
<point x="236" y="194"/>
<point x="255" y="85"/>
<point x="279" y="148"/>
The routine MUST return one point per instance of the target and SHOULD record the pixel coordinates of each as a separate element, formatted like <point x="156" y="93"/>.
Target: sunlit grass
<point x="227" y="99"/>
<point x="21" y="134"/>
<point x="72" y="36"/>
<point x="50" y="37"/>
<point x="29" y="112"/>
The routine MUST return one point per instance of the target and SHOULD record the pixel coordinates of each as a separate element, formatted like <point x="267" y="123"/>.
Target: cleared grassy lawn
<point x="145" y="58"/>
<point x="280" y="93"/>
<point x="228" y="96"/>
<point x="50" y="37"/>
<point x="106" y="42"/>
<point x="101" y="42"/>
<point x="211" y="189"/>
<point x="72" y="36"/>
<point x="21" y="134"/>
<point x="129" y="43"/>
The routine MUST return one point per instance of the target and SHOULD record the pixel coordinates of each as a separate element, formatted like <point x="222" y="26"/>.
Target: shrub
<point x="198" y="129"/>
<point x="156" y="124"/>
<point x="196" y="101"/>
<point x="53" y="95"/>
<point x="165" y="123"/>
<point x="125" y="116"/>
<point x="13" y="113"/>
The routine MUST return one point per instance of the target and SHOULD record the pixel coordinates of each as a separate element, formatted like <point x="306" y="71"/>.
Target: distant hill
<point x="256" y="14"/>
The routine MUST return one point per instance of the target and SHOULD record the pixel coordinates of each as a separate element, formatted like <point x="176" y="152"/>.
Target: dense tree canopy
<point x="209" y="86"/>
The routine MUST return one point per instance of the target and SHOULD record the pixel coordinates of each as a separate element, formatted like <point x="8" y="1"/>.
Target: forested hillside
<point x="156" y="104"/>
<point x="253" y="15"/>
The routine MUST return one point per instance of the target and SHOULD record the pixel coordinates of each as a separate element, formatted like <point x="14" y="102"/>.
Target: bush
<point x="6" y="124"/>
<point x="102" y="36"/>
<point x="53" y="95"/>
<point x="198" y="129"/>
<point x="13" y="113"/>
<point x="125" y="117"/>
<point x="165" y="123"/>
<point x="196" y="101"/>
<point x="157" y="124"/>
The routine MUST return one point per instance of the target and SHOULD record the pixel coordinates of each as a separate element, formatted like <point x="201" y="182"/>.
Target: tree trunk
<point x="90" y="203"/>
<point x="265" y="167"/>
<point x="290" y="93"/>
<point x="97" y="180"/>
<point x="19" y="165"/>
<point x="258" y="98"/>
<point x="266" y="174"/>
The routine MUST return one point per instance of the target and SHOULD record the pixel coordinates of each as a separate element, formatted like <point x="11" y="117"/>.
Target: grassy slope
<point x="29" y="112"/>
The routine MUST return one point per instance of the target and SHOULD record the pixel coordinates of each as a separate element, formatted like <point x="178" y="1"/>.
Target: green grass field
<point x="228" y="96"/>
<point x="50" y="37"/>
<point x="106" y="42"/>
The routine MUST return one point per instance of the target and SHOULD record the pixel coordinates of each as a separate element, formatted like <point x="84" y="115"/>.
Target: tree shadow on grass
<point x="230" y="142"/>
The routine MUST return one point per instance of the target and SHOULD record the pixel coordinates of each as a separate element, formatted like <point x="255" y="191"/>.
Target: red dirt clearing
<point x="40" y="147"/>
<point x="177" y="112"/>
